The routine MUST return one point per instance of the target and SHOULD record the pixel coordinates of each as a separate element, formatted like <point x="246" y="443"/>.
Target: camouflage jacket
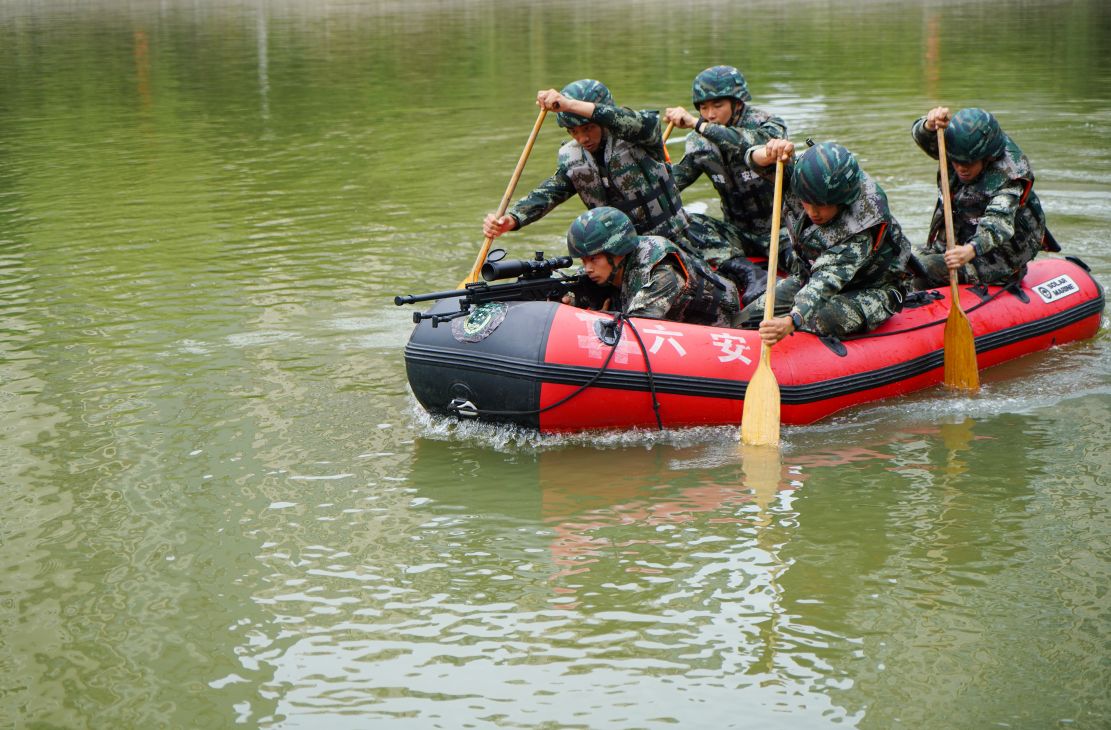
<point x="719" y="153"/>
<point x="629" y="174"/>
<point x="998" y="213"/>
<point x="863" y="247"/>
<point x="660" y="281"/>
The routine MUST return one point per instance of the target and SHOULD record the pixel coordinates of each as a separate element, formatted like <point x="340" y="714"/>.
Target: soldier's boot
<point x="751" y="280"/>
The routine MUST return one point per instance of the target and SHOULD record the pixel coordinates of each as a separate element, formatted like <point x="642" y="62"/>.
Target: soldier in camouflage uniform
<point x="848" y="258"/>
<point x="615" y="158"/>
<point x="724" y="131"/>
<point x="997" y="217"/>
<point x="649" y="276"/>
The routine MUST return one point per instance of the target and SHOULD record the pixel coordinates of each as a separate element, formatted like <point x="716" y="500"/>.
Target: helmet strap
<point x="738" y="110"/>
<point x="616" y="268"/>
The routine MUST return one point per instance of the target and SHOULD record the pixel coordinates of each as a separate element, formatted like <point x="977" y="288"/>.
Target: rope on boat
<point x="620" y="320"/>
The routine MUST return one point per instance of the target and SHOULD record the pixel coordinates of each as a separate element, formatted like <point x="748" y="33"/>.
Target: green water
<point x="225" y="509"/>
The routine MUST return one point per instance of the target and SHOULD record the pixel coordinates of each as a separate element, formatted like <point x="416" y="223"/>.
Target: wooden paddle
<point x="961" y="371"/>
<point x="667" y="133"/>
<point x="762" y="467"/>
<point x="760" y="415"/>
<point x="474" y="275"/>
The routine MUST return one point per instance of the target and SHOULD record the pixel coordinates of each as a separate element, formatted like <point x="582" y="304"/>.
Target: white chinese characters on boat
<point x="733" y="347"/>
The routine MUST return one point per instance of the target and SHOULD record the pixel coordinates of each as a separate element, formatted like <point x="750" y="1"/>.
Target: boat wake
<point x="510" y="437"/>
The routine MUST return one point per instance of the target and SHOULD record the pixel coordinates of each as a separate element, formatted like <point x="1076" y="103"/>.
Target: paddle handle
<point x="504" y="205"/>
<point x="773" y="243"/>
<point x="667" y="133"/>
<point x="947" y="206"/>
<point x="961" y="367"/>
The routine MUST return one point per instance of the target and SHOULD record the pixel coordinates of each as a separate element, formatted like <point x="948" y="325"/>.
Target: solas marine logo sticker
<point x="480" y="323"/>
<point x="1058" y="288"/>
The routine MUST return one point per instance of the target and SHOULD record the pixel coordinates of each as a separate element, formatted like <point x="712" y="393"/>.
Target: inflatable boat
<point x="557" y="368"/>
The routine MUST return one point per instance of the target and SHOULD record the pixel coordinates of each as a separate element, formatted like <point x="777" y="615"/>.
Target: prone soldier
<point x="648" y="276"/>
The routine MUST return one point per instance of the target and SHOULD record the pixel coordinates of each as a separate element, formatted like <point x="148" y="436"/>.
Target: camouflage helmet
<point x="719" y="82"/>
<point x="973" y="134"/>
<point x="583" y="90"/>
<point x="826" y="174"/>
<point x="601" y="230"/>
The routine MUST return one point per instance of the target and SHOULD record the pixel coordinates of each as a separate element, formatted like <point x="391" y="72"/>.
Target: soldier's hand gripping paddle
<point x="477" y="268"/>
<point x="961" y="369"/>
<point x="760" y="415"/>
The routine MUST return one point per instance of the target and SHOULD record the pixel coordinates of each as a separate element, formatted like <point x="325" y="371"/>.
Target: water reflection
<point x="926" y="533"/>
<point x="263" y="62"/>
<point x="554" y="574"/>
<point x="577" y="559"/>
<point x="592" y="500"/>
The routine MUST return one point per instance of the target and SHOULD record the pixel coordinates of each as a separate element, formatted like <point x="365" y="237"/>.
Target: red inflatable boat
<point x="558" y="368"/>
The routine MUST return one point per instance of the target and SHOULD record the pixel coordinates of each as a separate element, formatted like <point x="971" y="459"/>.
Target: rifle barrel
<point x="414" y="298"/>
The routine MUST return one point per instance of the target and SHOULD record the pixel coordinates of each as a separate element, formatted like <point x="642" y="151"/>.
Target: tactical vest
<point x="704" y="296"/>
<point x="970" y="201"/>
<point x="746" y="197"/>
<point x="631" y="181"/>
<point x="887" y="264"/>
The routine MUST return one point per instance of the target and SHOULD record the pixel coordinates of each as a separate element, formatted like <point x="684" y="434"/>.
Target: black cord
<point x="620" y="319"/>
<point x="648" y="370"/>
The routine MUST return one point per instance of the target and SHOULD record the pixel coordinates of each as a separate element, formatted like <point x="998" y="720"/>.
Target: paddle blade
<point x="762" y="471"/>
<point x="760" y="417"/>
<point x="961" y="370"/>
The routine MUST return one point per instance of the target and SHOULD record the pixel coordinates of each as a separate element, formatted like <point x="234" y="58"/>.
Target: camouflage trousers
<point x="844" y="314"/>
<point x="930" y="270"/>
<point x="717" y="240"/>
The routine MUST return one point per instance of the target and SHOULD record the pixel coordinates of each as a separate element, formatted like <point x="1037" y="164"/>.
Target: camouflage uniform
<point x="628" y="173"/>
<point x="718" y="151"/>
<point x="846" y="276"/>
<point x="998" y="213"/>
<point x="660" y="281"/>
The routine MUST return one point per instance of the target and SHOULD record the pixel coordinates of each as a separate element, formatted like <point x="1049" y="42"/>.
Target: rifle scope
<point x="535" y="268"/>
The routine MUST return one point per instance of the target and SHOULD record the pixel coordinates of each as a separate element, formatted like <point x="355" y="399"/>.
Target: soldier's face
<point x="598" y="268"/>
<point x="716" y="111"/>
<point x="820" y="214"/>
<point x="588" y="135"/>
<point x="968" y="171"/>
